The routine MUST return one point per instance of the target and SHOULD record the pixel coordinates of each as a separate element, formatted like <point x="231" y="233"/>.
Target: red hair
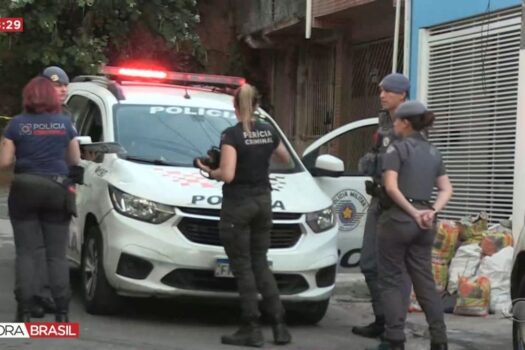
<point x="39" y="96"/>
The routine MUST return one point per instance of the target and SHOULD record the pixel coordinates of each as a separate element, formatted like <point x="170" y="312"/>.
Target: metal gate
<point x="319" y="99"/>
<point x="370" y="63"/>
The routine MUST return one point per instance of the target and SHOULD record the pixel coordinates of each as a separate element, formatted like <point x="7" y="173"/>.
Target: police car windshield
<point x="176" y="134"/>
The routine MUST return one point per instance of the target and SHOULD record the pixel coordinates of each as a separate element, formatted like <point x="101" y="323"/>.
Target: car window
<point x="176" y="134"/>
<point x="78" y="106"/>
<point x="91" y="125"/>
<point x="350" y="147"/>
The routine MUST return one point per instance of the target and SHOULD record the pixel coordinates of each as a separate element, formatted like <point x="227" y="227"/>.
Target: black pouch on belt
<point x="71" y="193"/>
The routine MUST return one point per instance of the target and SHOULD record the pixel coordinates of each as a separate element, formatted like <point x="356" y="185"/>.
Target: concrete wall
<point x="428" y="13"/>
<point x="255" y="15"/>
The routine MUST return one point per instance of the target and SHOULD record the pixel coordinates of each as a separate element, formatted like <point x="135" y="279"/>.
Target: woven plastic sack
<point x="414" y="304"/>
<point x="464" y="264"/>
<point x="496" y="239"/>
<point x="473" y="296"/>
<point x="498" y="269"/>
<point x="471" y="230"/>
<point x="445" y="242"/>
<point x="440" y="272"/>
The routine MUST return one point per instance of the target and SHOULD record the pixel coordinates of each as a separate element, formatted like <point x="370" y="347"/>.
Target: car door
<point x="348" y="143"/>
<point x="88" y="117"/>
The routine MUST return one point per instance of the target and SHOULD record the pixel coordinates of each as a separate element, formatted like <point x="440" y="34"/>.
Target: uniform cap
<point x="56" y="74"/>
<point x="396" y="83"/>
<point x="411" y="109"/>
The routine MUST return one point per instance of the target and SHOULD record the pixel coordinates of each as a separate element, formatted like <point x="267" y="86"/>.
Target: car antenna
<point x="187" y="95"/>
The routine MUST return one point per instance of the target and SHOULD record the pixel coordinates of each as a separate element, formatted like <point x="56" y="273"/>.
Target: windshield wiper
<point x="152" y="161"/>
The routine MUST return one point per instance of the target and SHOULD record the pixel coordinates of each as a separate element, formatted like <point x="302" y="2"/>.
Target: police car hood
<point x="186" y="187"/>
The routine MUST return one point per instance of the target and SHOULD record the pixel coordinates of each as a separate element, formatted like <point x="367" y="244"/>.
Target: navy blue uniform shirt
<point x="41" y="142"/>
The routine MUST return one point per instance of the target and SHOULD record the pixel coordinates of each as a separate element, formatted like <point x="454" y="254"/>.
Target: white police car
<point x="148" y="221"/>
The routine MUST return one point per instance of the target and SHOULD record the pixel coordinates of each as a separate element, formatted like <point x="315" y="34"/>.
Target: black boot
<point x="37" y="311"/>
<point x="373" y="330"/>
<point x="281" y="335"/>
<point x="23" y="314"/>
<point x="61" y="317"/>
<point x="47" y="304"/>
<point x="62" y="308"/>
<point x="441" y="346"/>
<point x="249" y="334"/>
<point x="385" y="345"/>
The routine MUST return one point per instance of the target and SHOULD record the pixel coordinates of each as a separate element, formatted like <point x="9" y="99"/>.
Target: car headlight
<point x="139" y="208"/>
<point x="322" y="220"/>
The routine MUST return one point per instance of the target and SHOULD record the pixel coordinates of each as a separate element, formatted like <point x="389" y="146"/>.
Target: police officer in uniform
<point x="41" y="142"/>
<point x="60" y="81"/>
<point x="412" y="168"/>
<point x="246" y="217"/>
<point x="393" y="91"/>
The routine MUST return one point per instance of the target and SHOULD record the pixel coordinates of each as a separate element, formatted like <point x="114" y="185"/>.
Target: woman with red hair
<point x="42" y="140"/>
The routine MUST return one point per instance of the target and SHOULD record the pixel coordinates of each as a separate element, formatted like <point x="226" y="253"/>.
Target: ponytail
<point x="422" y="122"/>
<point x="245" y="102"/>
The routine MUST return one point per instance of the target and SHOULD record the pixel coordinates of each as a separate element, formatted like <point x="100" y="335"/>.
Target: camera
<point x="212" y="160"/>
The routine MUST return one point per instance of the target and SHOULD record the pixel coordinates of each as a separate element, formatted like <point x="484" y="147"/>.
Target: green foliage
<point x="81" y="35"/>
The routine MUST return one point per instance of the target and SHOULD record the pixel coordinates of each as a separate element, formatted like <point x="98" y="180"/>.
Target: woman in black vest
<point x="246" y="216"/>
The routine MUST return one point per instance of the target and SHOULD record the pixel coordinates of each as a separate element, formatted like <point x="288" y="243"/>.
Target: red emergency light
<point x="196" y="79"/>
<point x="142" y="73"/>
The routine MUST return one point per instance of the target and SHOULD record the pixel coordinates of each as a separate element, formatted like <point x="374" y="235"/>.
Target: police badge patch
<point x="350" y="207"/>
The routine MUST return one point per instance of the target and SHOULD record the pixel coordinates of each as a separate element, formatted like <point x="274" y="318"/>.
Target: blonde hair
<point x="245" y="102"/>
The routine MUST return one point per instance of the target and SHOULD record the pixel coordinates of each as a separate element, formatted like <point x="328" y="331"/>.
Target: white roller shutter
<point x="471" y="83"/>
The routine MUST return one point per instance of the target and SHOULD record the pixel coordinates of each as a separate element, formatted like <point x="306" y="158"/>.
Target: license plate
<point x="223" y="270"/>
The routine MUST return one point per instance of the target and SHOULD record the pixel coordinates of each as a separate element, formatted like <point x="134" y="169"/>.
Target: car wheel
<point x="518" y="328"/>
<point x="99" y="297"/>
<point x="308" y="312"/>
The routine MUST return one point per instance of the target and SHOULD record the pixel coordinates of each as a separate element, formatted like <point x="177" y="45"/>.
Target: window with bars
<point x="470" y="80"/>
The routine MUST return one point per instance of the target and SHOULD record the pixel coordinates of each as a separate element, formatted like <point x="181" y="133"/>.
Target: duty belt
<point x="418" y="201"/>
<point x="63" y="180"/>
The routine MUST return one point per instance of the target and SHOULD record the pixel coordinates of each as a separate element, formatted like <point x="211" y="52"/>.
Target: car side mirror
<point x="95" y="151"/>
<point x="84" y="140"/>
<point x="327" y="165"/>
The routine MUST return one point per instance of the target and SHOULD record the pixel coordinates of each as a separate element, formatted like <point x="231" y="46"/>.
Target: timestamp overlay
<point x="11" y="24"/>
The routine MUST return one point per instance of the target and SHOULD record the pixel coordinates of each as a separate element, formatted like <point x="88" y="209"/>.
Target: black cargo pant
<point x="39" y="218"/>
<point x="245" y="226"/>
<point x="405" y="248"/>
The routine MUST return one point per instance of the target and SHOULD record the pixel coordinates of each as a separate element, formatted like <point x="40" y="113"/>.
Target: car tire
<point x="518" y="339"/>
<point x="99" y="297"/>
<point x="308" y="313"/>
